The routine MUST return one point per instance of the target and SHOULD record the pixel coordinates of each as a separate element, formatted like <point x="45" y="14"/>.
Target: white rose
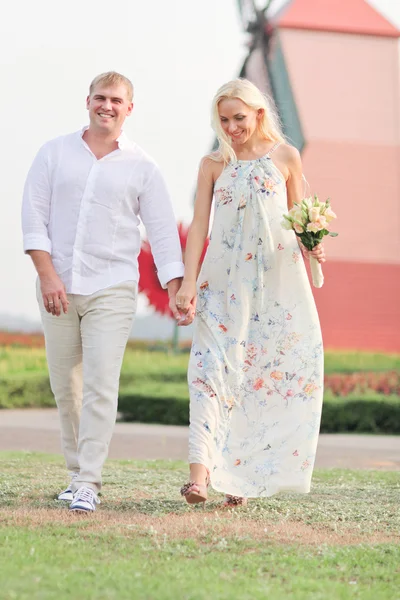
<point x="329" y="215"/>
<point x="314" y="213"/>
<point x="286" y="224"/>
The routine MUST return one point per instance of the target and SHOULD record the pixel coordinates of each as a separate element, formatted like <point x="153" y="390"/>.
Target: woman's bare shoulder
<point x="290" y="159"/>
<point x="212" y="165"/>
<point x="212" y="158"/>
<point x="289" y="153"/>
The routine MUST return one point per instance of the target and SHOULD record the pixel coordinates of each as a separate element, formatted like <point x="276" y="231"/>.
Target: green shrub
<point x="372" y="413"/>
<point x="155" y="402"/>
<point x="154" y="390"/>
<point x="32" y="390"/>
<point x="169" y="405"/>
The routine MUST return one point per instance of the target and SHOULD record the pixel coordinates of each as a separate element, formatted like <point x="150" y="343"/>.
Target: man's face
<point x="108" y="108"/>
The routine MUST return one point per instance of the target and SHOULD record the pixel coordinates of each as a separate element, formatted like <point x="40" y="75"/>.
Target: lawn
<point x="145" y="364"/>
<point x="340" y="542"/>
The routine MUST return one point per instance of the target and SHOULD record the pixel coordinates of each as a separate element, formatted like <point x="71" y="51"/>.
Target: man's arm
<point x="35" y="220"/>
<point x="52" y="288"/>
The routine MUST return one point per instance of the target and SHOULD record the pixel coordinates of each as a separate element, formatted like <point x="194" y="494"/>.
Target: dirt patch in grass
<point x="206" y="528"/>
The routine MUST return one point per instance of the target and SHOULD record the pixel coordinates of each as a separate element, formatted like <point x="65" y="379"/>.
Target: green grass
<point x="340" y="542"/>
<point x="139" y="364"/>
<point x="58" y="563"/>
<point x="18" y="361"/>
<point x="337" y="361"/>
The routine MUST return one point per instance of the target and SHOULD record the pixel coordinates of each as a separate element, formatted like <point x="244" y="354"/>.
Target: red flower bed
<point x="34" y="340"/>
<point x="342" y="384"/>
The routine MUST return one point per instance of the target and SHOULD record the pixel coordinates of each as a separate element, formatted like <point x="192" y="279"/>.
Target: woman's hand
<point x="186" y="295"/>
<point x="303" y="249"/>
<point x="185" y="300"/>
<point x="318" y="252"/>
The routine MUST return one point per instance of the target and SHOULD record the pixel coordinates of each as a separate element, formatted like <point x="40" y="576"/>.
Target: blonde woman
<point x="256" y="366"/>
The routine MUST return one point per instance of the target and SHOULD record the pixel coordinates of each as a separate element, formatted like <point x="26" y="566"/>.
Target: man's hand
<point x="53" y="294"/>
<point x="52" y="288"/>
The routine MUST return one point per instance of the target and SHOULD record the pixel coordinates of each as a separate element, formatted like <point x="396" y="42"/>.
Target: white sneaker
<point x="85" y="500"/>
<point x="68" y="494"/>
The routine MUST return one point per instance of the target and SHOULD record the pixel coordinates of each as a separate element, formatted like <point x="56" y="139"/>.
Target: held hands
<point x="186" y="300"/>
<point x="181" y="315"/>
<point x="53" y="294"/>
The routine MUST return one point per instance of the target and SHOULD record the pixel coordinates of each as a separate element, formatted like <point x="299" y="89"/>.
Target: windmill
<point x="342" y="59"/>
<point x="265" y="65"/>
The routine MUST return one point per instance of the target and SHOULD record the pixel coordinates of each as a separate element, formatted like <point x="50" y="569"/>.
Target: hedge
<point x="154" y="401"/>
<point x="32" y="390"/>
<point x="372" y="413"/>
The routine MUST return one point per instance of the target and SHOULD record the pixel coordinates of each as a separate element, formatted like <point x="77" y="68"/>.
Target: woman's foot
<point x="195" y="490"/>
<point x="234" y="501"/>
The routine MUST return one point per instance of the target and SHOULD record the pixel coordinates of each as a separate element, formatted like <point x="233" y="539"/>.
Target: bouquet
<point x="310" y="221"/>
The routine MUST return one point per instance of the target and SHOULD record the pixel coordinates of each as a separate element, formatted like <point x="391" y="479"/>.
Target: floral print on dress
<point x="256" y="366"/>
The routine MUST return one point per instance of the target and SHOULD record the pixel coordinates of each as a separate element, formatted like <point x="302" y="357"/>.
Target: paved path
<point x="38" y="431"/>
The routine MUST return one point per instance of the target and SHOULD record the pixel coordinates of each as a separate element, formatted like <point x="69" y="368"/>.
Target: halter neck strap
<point x="274" y="147"/>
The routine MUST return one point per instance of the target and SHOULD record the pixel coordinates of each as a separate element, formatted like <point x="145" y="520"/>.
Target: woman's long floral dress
<point x="256" y="365"/>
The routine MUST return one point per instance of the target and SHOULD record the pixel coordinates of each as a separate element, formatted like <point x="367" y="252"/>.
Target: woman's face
<point x="238" y="120"/>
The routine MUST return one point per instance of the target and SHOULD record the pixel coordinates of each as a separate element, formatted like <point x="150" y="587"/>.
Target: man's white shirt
<point x="86" y="213"/>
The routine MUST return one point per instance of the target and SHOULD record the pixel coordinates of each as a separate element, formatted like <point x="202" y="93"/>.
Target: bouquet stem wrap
<point x="316" y="273"/>
<point x="310" y="220"/>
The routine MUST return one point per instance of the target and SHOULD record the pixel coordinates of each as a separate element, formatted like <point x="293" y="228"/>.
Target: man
<point x="82" y="201"/>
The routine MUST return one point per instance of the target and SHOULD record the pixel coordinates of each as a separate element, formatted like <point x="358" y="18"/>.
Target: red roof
<point x="345" y="16"/>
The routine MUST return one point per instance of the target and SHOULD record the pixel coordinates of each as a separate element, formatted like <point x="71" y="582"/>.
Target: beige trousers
<point x="84" y="349"/>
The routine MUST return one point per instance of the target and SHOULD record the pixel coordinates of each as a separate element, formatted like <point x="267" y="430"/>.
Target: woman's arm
<point x="294" y="186"/>
<point x="294" y="181"/>
<point x="198" y="232"/>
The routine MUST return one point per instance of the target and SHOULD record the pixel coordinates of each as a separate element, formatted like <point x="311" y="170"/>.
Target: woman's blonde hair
<point x="268" y="126"/>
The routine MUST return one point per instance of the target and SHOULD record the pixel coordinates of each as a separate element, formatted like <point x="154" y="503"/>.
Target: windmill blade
<point x="250" y="13"/>
<point x="265" y="66"/>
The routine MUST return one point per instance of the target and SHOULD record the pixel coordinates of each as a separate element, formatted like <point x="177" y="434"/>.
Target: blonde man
<point x="83" y="200"/>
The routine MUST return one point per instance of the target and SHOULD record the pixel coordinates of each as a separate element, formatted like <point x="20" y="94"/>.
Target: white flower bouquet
<point x="310" y="221"/>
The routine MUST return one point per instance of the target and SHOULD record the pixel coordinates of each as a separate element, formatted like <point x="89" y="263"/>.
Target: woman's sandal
<point x="195" y="492"/>
<point x="234" y="501"/>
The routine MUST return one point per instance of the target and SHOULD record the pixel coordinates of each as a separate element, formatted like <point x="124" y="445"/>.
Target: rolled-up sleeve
<point x="36" y="205"/>
<point x="159" y="220"/>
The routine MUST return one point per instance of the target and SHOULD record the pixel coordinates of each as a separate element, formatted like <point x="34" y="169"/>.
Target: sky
<point x="176" y="52"/>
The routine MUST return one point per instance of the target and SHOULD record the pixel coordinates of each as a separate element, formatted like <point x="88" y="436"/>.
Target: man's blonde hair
<point x="112" y="78"/>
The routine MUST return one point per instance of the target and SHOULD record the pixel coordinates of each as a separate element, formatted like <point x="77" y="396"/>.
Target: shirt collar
<point x="122" y="140"/>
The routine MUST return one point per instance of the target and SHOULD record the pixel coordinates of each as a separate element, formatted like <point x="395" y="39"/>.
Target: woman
<point x="256" y="366"/>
